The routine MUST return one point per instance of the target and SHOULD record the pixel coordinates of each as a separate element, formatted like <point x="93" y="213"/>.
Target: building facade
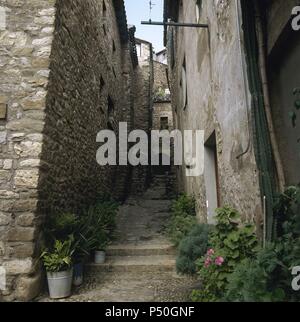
<point x="216" y="76"/>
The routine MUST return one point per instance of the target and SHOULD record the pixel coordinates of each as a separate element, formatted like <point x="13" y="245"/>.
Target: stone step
<point x="141" y="250"/>
<point x="136" y="264"/>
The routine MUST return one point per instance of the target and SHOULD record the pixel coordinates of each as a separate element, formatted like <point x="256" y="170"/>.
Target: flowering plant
<point x="212" y="259"/>
<point x="231" y="243"/>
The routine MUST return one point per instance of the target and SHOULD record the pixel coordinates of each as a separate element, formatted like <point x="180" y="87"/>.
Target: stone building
<point x="141" y="175"/>
<point x="162" y="56"/>
<point x="218" y="85"/>
<point x="162" y="115"/>
<point x="68" y="70"/>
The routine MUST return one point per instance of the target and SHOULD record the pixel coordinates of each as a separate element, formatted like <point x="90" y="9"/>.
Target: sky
<point x="138" y="10"/>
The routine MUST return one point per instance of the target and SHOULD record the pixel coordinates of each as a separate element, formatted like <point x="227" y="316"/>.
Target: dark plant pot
<point x="78" y="274"/>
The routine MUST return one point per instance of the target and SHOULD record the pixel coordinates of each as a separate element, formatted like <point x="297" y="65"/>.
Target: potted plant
<point x="84" y="245"/>
<point x="101" y="243"/>
<point x="58" y="265"/>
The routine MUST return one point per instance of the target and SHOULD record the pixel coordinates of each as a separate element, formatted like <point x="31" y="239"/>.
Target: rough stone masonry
<point x="66" y="71"/>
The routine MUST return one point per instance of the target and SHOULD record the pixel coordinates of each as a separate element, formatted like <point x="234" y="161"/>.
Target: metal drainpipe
<point x="244" y="68"/>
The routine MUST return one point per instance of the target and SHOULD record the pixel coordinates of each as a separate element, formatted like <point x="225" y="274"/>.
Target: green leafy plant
<point x="179" y="228"/>
<point x="183" y="219"/>
<point x="60" y="257"/>
<point x="98" y="224"/>
<point x="192" y="247"/>
<point x="101" y="240"/>
<point x="267" y="277"/>
<point x="231" y="243"/>
<point x="85" y="241"/>
<point x="252" y="281"/>
<point x="184" y="206"/>
<point x="60" y="226"/>
<point x="103" y="215"/>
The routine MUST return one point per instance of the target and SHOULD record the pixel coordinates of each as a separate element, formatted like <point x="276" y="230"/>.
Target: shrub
<point x="98" y="224"/>
<point x="89" y="231"/>
<point x="268" y="277"/>
<point x="180" y="227"/>
<point x="183" y="219"/>
<point x="252" y="281"/>
<point x="231" y="243"/>
<point x="103" y="215"/>
<point x="60" y="226"/>
<point x="192" y="247"/>
<point x="184" y="206"/>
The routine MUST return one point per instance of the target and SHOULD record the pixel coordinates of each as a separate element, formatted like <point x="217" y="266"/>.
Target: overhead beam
<point x="174" y="24"/>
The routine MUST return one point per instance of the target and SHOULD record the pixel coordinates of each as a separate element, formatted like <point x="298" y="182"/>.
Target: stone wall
<point x="66" y="73"/>
<point x="25" y="45"/>
<point x="141" y="175"/>
<point x="217" y="101"/>
<point x="162" y="100"/>
<point x="162" y="109"/>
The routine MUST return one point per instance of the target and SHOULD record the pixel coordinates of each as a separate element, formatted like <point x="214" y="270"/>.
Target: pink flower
<point x="210" y="252"/>
<point x="207" y="262"/>
<point x="219" y="261"/>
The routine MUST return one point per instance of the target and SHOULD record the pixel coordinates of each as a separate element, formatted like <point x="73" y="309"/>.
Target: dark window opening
<point x="114" y="72"/>
<point x="113" y="46"/>
<point x="104" y="30"/>
<point x="183" y="84"/>
<point x="3" y="111"/>
<point x="164" y="123"/>
<point x="198" y="10"/>
<point x="104" y="9"/>
<point x="211" y="175"/>
<point x="161" y="169"/>
<point x="110" y="107"/>
<point x="102" y="83"/>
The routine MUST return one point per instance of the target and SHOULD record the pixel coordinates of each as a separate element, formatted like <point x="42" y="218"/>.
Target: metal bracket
<point x="174" y="24"/>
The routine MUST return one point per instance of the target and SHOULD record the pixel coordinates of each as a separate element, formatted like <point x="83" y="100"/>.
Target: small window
<point x="102" y="83"/>
<point x="110" y="107"/>
<point x="139" y="50"/>
<point x="3" y="110"/>
<point x="104" y="12"/>
<point x="198" y="10"/>
<point x="104" y="30"/>
<point x="183" y="85"/>
<point x="114" y="46"/>
<point x="164" y="123"/>
<point x="114" y="72"/>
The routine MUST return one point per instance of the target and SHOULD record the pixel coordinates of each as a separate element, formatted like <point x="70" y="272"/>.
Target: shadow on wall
<point x="82" y="87"/>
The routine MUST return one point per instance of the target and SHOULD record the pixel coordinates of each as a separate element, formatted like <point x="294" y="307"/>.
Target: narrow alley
<point x="141" y="262"/>
<point x="149" y="151"/>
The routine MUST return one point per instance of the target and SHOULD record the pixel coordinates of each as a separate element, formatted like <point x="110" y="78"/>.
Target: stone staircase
<point x="141" y="245"/>
<point x="140" y="264"/>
